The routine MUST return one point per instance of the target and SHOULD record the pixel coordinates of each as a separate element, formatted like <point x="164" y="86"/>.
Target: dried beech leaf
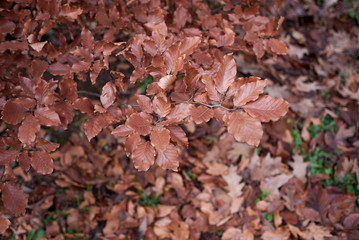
<point x="122" y="131"/>
<point x="46" y="145"/>
<point x="160" y="138"/>
<point x="192" y="77"/>
<point x="14" y="199"/>
<point x="131" y="143"/>
<point x="189" y="44"/>
<point x="13" y="113"/>
<point x="8" y="156"/>
<point x="210" y="87"/>
<point x="94" y="125"/>
<point x="166" y="81"/>
<point x="140" y="122"/>
<point x="42" y="162"/>
<point x="84" y="105"/>
<point x="28" y="129"/>
<point x="178" y="135"/>
<point x="277" y="46"/>
<point x="267" y="108"/>
<point x="68" y="88"/>
<point x="38" y="46"/>
<point x="108" y="95"/>
<point x="168" y="158"/>
<point x="24" y="161"/>
<point x="4" y="224"/>
<point x="143" y="156"/>
<point x="47" y="117"/>
<point x="248" y="92"/>
<point x="65" y="111"/>
<point x="161" y="106"/>
<point x="59" y="69"/>
<point x="226" y="74"/>
<point x="200" y="114"/>
<point x="145" y="103"/>
<point x="244" y="128"/>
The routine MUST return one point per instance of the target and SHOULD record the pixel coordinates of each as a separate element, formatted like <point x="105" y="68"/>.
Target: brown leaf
<point x="42" y="162"/>
<point x="201" y="114"/>
<point x="210" y="87"/>
<point x="226" y="74"/>
<point x="84" y="105"/>
<point x="4" y="224"/>
<point x="68" y="88"/>
<point x="143" y="156"/>
<point x="94" y="125"/>
<point x="277" y="46"/>
<point x="161" y="106"/>
<point x="351" y="221"/>
<point x="108" y="95"/>
<point x="13" y="113"/>
<point x="245" y="128"/>
<point x="46" y="145"/>
<point x="6" y="26"/>
<point x="131" y="143"/>
<point x="14" y="199"/>
<point x="140" y="122"/>
<point x="166" y="81"/>
<point x="267" y="108"/>
<point x="160" y="138"/>
<point x="38" y="46"/>
<point x="278" y="234"/>
<point x="167" y="158"/>
<point x="122" y="131"/>
<point x="47" y="117"/>
<point x="178" y="135"/>
<point x="8" y="156"/>
<point x="28" y="129"/>
<point x="59" y="69"/>
<point x="181" y="16"/>
<point x="248" y="92"/>
<point x="145" y="103"/>
<point x="24" y="160"/>
<point x="258" y="48"/>
<point x="188" y="45"/>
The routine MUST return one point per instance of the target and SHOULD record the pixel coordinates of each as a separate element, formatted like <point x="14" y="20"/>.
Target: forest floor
<point x="300" y="183"/>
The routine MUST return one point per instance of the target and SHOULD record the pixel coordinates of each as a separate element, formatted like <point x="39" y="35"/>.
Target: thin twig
<point x="98" y="95"/>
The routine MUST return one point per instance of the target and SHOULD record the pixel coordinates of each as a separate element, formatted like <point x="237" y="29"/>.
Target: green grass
<point x="262" y="196"/>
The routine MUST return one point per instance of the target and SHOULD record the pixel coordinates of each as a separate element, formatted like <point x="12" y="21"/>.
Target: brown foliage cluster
<point x="51" y="49"/>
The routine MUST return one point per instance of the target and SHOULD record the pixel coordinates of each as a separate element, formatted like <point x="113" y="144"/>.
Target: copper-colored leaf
<point x="28" y="129"/>
<point x="68" y="88"/>
<point x="244" y="128"/>
<point x="59" y="69"/>
<point x="161" y="106"/>
<point x="189" y="44"/>
<point x="168" y="158"/>
<point x="200" y="114"/>
<point x="351" y="221"/>
<point x="94" y="125"/>
<point x="14" y="199"/>
<point x="143" y="156"/>
<point x="13" y="113"/>
<point x="38" y="46"/>
<point x="166" y="81"/>
<point x="277" y="46"/>
<point x="160" y="138"/>
<point x="24" y="161"/>
<point x="248" y="92"/>
<point x="192" y="77"/>
<point x="145" y="103"/>
<point x="122" y="131"/>
<point x="84" y="105"/>
<point x="140" y="122"/>
<point x="42" y="162"/>
<point x="108" y="95"/>
<point x="46" y="145"/>
<point x="210" y="87"/>
<point x="65" y="111"/>
<point x="47" y="117"/>
<point x="226" y="74"/>
<point x="131" y="143"/>
<point x="4" y="224"/>
<point x="178" y="135"/>
<point x="267" y="108"/>
<point x="8" y="156"/>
